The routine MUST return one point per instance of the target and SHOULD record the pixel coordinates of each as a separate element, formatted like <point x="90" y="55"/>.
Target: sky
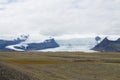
<point x="60" y="17"/>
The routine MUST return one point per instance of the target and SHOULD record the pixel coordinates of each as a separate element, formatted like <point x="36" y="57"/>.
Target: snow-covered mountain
<point x="22" y="44"/>
<point x="68" y="43"/>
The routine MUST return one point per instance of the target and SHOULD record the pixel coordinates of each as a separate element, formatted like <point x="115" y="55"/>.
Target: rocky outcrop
<point x="11" y="45"/>
<point x="5" y="43"/>
<point x="108" y="46"/>
<point x="50" y="43"/>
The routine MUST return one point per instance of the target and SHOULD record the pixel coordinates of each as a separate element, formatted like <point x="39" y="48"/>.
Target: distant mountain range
<point x="80" y="44"/>
<point x="11" y="45"/>
<point x="5" y="43"/>
<point x="108" y="46"/>
<point x="50" y="43"/>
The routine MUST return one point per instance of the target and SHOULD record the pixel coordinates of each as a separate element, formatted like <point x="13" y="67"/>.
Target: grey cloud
<point x="56" y="17"/>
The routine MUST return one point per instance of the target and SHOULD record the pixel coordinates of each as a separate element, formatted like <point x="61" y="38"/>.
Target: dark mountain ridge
<point x="50" y="43"/>
<point x="108" y="46"/>
<point x="5" y="43"/>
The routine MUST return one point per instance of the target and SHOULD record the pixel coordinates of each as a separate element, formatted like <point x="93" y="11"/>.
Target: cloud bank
<point x="59" y="17"/>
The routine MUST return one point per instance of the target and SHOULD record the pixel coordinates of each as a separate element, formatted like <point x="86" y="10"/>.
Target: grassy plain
<point x="59" y="66"/>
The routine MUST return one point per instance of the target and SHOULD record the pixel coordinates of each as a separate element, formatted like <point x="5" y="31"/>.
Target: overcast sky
<point x="57" y="17"/>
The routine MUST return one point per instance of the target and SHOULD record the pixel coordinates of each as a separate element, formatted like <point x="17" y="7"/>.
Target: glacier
<point x="67" y="43"/>
<point x="74" y="45"/>
<point x="71" y="45"/>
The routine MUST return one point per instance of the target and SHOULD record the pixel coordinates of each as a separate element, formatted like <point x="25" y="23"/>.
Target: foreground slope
<point x="59" y="66"/>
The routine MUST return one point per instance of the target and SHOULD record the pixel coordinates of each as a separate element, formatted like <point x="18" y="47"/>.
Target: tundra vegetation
<point x="59" y="66"/>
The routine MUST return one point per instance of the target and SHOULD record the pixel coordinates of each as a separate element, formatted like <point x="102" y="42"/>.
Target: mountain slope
<point x="19" y="45"/>
<point x="50" y="43"/>
<point x="108" y="46"/>
<point x="5" y="43"/>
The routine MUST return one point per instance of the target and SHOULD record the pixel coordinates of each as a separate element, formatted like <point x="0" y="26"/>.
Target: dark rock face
<point x="5" y="43"/>
<point x="108" y="46"/>
<point x="50" y="43"/>
<point x="118" y="39"/>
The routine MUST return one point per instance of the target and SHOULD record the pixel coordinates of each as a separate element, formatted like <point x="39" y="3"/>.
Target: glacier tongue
<point x="13" y="48"/>
<point x="74" y="45"/>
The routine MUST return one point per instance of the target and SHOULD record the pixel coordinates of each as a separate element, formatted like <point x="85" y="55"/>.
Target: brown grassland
<point x="59" y="66"/>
